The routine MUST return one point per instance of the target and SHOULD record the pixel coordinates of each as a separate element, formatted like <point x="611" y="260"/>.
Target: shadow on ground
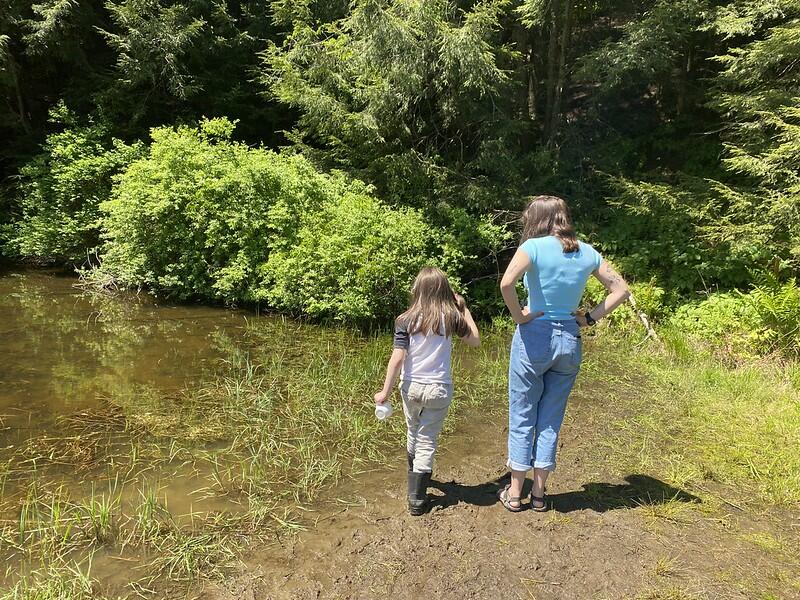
<point x="638" y="490"/>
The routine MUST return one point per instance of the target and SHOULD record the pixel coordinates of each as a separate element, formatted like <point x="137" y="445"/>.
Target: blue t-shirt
<point x="556" y="280"/>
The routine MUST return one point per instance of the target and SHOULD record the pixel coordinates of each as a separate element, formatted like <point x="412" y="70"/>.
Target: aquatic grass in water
<point x="184" y="556"/>
<point x="59" y="581"/>
<point x="150" y="520"/>
<point x="47" y="522"/>
<point x="294" y="424"/>
<point x="277" y="426"/>
<point x="101" y="514"/>
<point x="239" y="453"/>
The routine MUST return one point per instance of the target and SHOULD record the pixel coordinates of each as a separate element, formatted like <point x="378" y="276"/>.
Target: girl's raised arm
<point x="473" y="338"/>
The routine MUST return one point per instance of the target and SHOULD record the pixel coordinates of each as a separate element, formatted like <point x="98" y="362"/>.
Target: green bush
<point x="62" y="188"/>
<point x="777" y="305"/>
<point x="196" y="217"/>
<point x="676" y="231"/>
<point x="723" y="320"/>
<point x="649" y="299"/>
<point x="6" y="227"/>
<point x="203" y="217"/>
<point x="471" y="247"/>
<point x="759" y="322"/>
<point x="353" y="261"/>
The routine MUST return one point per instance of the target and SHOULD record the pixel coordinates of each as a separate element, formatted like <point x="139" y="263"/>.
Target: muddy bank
<point x="608" y="535"/>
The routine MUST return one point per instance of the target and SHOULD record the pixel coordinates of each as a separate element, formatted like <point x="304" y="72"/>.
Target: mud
<point x="604" y="537"/>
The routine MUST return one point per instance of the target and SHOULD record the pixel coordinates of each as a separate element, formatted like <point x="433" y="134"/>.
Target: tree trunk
<point x="531" y="87"/>
<point x="552" y="48"/>
<point x="683" y="83"/>
<point x="555" y="115"/>
<point x="521" y="38"/>
<point x="12" y="68"/>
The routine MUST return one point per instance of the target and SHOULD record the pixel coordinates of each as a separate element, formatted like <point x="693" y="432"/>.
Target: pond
<point x="64" y="351"/>
<point x="145" y="442"/>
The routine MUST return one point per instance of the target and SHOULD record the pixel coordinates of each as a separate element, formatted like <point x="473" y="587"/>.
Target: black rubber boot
<point x="418" y="492"/>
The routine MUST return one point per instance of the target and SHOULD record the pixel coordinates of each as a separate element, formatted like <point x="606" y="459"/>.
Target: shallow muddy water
<point x="149" y="441"/>
<point x="97" y="405"/>
<point x="64" y="351"/>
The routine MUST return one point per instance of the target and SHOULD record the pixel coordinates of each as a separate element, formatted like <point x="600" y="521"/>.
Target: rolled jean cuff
<point x="515" y="466"/>
<point x="547" y="466"/>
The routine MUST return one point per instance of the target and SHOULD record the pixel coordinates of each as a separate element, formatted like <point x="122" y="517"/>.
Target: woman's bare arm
<point x="519" y="264"/>
<point x="616" y="287"/>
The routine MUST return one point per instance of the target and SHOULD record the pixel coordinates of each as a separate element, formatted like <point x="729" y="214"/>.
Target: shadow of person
<point x="482" y="494"/>
<point x="638" y="490"/>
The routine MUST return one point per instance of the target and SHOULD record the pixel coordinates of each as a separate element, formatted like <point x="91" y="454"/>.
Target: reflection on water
<point x="161" y="435"/>
<point x="64" y="351"/>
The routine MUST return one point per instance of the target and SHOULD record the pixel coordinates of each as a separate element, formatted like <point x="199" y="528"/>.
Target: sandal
<point x="507" y="499"/>
<point x="539" y="500"/>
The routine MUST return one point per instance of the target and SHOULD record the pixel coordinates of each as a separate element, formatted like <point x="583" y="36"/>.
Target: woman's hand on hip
<point x="528" y="316"/>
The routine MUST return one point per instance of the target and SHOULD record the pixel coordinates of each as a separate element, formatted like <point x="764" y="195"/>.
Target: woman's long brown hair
<point x="433" y="301"/>
<point x="549" y="215"/>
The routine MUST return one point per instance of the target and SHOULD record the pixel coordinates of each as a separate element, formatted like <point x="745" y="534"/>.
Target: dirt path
<point x="607" y="537"/>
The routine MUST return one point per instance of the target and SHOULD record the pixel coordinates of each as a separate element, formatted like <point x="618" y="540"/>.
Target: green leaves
<point x="406" y="83"/>
<point x="746" y="17"/>
<point x="672" y="127"/>
<point x="203" y="217"/>
<point x="758" y="322"/>
<point x="758" y="93"/>
<point x="776" y="305"/>
<point x="62" y="188"/>
<point x="152" y="43"/>
<point x="650" y="48"/>
<point x="52" y="17"/>
<point x="532" y="13"/>
<point x="353" y="261"/>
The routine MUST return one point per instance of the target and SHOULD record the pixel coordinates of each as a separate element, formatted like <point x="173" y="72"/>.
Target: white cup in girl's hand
<point x="383" y="411"/>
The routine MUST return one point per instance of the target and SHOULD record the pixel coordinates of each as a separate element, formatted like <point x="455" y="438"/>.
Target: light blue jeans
<point x="545" y="360"/>
<point x="425" y="406"/>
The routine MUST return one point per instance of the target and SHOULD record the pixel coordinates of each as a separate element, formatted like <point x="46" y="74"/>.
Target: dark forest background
<point x="311" y="156"/>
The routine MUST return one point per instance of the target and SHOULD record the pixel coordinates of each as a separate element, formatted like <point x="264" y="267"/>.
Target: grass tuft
<point x="55" y="582"/>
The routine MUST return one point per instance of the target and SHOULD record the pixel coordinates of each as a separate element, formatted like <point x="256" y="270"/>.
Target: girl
<point x="546" y="352"/>
<point x="421" y="355"/>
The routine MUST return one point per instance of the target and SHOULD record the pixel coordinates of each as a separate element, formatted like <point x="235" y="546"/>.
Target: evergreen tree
<point x="412" y="96"/>
<point x="758" y="95"/>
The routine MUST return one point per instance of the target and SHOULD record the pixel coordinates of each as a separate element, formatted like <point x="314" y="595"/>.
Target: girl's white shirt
<point x="428" y="357"/>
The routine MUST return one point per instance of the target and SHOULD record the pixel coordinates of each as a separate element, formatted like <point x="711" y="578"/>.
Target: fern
<point x="777" y="305"/>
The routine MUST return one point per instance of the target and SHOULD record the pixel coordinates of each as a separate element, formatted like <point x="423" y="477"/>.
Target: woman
<point x="546" y="349"/>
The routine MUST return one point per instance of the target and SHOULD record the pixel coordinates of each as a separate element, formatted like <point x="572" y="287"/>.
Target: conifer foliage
<point x="673" y="127"/>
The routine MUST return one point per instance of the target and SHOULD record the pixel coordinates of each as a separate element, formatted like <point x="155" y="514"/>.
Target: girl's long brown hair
<point x="433" y="301"/>
<point x="549" y="215"/>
